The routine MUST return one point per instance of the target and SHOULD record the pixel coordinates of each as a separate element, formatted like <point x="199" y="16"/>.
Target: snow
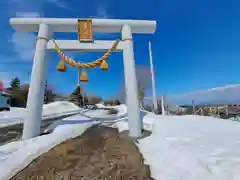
<point x="190" y="147"/>
<point x="16" y="115"/>
<point x="179" y="148"/>
<point x="121" y="108"/>
<point x="89" y="116"/>
<point x="59" y="106"/>
<point x="100" y="106"/>
<point x="75" y="119"/>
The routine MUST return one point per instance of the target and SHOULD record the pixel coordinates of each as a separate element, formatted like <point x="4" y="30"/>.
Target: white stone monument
<point x="46" y="26"/>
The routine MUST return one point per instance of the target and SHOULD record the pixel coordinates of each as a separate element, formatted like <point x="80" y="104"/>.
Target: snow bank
<point x="100" y="106"/>
<point x="123" y="124"/>
<point x="192" y="147"/>
<point x="122" y="109"/>
<point x="16" y="115"/>
<point x="59" y="107"/>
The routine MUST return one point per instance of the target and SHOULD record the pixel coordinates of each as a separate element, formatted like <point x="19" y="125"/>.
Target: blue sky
<point x="196" y="45"/>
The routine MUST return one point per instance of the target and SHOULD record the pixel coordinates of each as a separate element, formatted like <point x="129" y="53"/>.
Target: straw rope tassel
<point x="61" y="66"/>
<point x="104" y="65"/>
<point x="83" y="77"/>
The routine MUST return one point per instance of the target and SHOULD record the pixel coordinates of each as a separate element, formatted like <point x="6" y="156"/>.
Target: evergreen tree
<point x="15" y="83"/>
<point x="76" y="96"/>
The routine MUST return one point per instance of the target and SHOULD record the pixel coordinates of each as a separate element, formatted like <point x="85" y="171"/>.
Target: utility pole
<point x="78" y="78"/>
<point x="154" y="96"/>
<point x="226" y="110"/>
<point x="166" y="105"/>
<point x="46" y="92"/>
<point x="193" y="106"/>
<point x="162" y="105"/>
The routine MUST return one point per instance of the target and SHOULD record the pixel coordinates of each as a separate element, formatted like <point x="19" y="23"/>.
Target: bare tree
<point x="94" y="99"/>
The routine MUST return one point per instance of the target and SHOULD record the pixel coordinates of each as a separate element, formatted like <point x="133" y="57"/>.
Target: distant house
<point x="14" y="99"/>
<point x="4" y="102"/>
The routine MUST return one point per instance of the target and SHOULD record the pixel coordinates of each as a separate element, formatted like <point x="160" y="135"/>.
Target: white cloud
<point x="30" y="8"/>
<point x="59" y="3"/>
<point x="102" y="12"/>
<point x="24" y="45"/>
<point x="101" y="9"/>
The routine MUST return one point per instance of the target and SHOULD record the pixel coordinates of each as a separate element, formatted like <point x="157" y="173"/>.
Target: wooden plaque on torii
<point x="85" y="33"/>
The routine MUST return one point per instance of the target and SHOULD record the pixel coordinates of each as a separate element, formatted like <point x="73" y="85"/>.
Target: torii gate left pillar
<point x="44" y="27"/>
<point x="35" y="100"/>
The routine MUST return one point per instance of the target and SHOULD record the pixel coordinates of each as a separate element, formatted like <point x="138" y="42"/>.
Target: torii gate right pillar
<point x="134" y="120"/>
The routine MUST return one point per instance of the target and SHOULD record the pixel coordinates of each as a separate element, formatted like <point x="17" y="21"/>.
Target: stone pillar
<point x="134" y="120"/>
<point x="32" y="121"/>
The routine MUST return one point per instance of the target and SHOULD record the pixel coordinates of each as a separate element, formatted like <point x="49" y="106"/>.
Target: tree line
<point x="19" y="93"/>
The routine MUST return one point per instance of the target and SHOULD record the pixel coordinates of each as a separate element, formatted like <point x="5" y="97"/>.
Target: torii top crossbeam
<point x="70" y="25"/>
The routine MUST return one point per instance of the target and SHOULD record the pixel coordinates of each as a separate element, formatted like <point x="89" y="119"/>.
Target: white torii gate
<point x="46" y="27"/>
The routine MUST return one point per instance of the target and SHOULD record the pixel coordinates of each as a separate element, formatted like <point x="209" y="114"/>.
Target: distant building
<point x="14" y="100"/>
<point x="3" y="102"/>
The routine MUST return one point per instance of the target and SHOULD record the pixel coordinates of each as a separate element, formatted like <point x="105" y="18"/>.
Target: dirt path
<point x="101" y="153"/>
